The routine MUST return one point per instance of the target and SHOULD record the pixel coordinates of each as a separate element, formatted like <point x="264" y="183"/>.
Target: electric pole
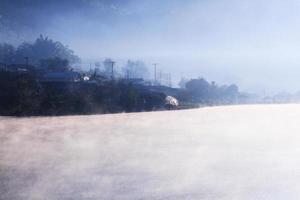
<point x="26" y="61"/>
<point x="160" y="77"/>
<point x="112" y="69"/>
<point x="155" y="79"/>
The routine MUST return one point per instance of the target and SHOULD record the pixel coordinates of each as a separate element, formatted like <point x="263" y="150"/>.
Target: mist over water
<point x="234" y="152"/>
<point x="252" y="43"/>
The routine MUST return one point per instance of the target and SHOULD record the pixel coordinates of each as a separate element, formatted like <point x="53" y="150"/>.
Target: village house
<point x="63" y="77"/>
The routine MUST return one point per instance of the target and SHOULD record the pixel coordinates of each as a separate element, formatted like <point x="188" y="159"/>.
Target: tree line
<point x="24" y="93"/>
<point x="201" y="91"/>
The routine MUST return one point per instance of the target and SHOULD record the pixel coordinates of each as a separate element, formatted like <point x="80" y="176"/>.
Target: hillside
<point x="233" y="152"/>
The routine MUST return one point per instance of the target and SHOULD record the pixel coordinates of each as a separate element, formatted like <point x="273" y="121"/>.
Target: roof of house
<point x="17" y="67"/>
<point x="68" y="76"/>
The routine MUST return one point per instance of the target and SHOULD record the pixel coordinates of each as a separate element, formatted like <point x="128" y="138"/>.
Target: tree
<point x="199" y="89"/>
<point x="55" y="64"/>
<point x="7" y="53"/>
<point x="19" y="93"/>
<point x="135" y="69"/>
<point x="205" y="92"/>
<point x="182" y="82"/>
<point x="232" y="92"/>
<point x="107" y="71"/>
<point x="44" y="48"/>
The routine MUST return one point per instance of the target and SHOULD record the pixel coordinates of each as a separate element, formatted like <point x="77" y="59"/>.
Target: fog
<point x="233" y="152"/>
<point x="252" y="43"/>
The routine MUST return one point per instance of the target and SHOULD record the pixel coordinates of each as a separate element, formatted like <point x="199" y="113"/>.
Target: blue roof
<point x="60" y="76"/>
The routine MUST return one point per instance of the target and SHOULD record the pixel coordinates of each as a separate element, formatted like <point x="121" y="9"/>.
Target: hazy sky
<point x="254" y="43"/>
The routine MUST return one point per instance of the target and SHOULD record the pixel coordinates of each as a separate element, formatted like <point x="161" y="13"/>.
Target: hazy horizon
<point x="251" y="43"/>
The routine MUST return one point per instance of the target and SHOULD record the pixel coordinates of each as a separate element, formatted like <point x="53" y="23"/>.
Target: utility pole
<point x="170" y="80"/>
<point x="26" y="61"/>
<point x="112" y="69"/>
<point x="155" y="78"/>
<point x="160" y="77"/>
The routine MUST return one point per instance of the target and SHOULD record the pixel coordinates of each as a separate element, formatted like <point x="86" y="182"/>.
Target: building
<point x="20" y="68"/>
<point x="63" y="77"/>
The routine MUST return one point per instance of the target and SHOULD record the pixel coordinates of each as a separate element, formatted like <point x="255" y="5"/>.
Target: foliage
<point x="107" y="71"/>
<point x="182" y="82"/>
<point x="55" y="64"/>
<point x="21" y="94"/>
<point x="43" y="48"/>
<point x="7" y="53"/>
<point x="135" y="69"/>
<point x="18" y="94"/>
<point x="201" y="91"/>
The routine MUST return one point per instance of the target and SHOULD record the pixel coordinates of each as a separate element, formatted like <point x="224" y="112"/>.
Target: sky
<point x="253" y="43"/>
